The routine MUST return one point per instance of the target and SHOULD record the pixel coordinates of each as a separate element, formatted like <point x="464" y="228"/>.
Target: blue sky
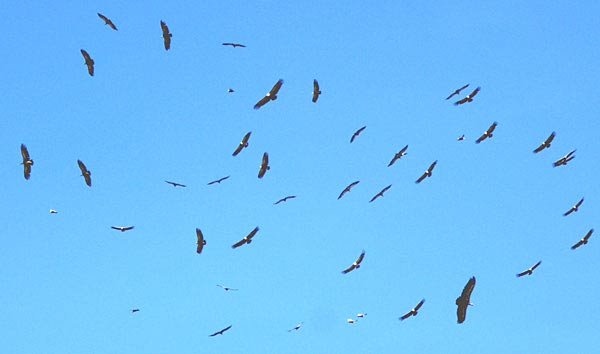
<point x="490" y="210"/>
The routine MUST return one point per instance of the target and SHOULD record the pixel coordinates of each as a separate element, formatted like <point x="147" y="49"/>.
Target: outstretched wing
<point x="239" y="243"/>
<point x="422" y="177"/>
<point x="409" y="313"/>
<point x="201" y="242"/>
<point x="89" y="62"/>
<point x="419" y="305"/>
<point x="350" y="268"/>
<point x="262" y="102"/>
<point x="252" y="233"/>
<point x="579" y="243"/>
<point x="360" y="258"/>
<point x="461" y="101"/>
<point x="481" y="138"/>
<point x="536" y="265"/>
<point x="276" y="88"/>
<point x="316" y="91"/>
<point x="107" y="21"/>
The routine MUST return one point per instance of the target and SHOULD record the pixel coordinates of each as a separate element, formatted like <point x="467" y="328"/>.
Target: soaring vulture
<point x="226" y="288"/>
<point x="487" y="134"/>
<point x="135" y="310"/>
<point x="361" y="315"/>
<point x="380" y="194"/>
<point x="264" y="165"/>
<point x="234" y="44"/>
<point x="246" y="239"/>
<point x="107" y="21"/>
<point x="468" y="98"/>
<point x="27" y="161"/>
<point x="356" y="263"/>
<point x="297" y="327"/>
<point x="200" y="242"/>
<point x="52" y="211"/>
<point x="457" y="91"/>
<point x="398" y="155"/>
<point x="348" y="188"/>
<point x="85" y="173"/>
<point x="427" y="172"/>
<point x="413" y="312"/>
<point x="464" y="300"/>
<point x="243" y="144"/>
<point x="461" y="138"/>
<point x="122" y="228"/>
<point x="584" y="240"/>
<point x="545" y="144"/>
<point x="270" y="96"/>
<point x="218" y="180"/>
<point x="284" y="199"/>
<point x="166" y="34"/>
<point x="356" y="133"/>
<point x="530" y="270"/>
<point x="221" y="331"/>
<point x="89" y="62"/>
<point x="563" y="160"/>
<point x="574" y="207"/>
<point x="175" y="184"/>
<point x="316" y="92"/>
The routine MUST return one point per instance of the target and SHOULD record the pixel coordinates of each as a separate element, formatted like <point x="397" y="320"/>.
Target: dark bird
<point x="270" y="96"/>
<point x="235" y="45"/>
<point x="574" y="207"/>
<point x="348" y="188"/>
<point x="85" y="173"/>
<point x="52" y="211"/>
<point x="412" y="312"/>
<point x="107" y="21"/>
<point x="297" y="327"/>
<point x="264" y="165"/>
<point x="545" y="144"/>
<point x="356" y="263"/>
<point x="226" y="288"/>
<point x="89" y="62"/>
<point x="175" y="184"/>
<point x="166" y="35"/>
<point x="487" y="134"/>
<point x="427" y="172"/>
<point x="461" y="138"/>
<point x="398" y="155"/>
<point x="284" y="199"/>
<point x="316" y="91"/>
<point x="468" y="98"/>
<point x="230" y="90"/>
<point x="220" y="332"/>
<point x="464" y="300"/>
<point x="380" y="194"/>
<point x="218" y="180"/>
<point x="122" y="228"/>
<point x="584" y="240"/>
<point x="457" y="91"/>
<point x="243" y="144"/>
<point x="563" y="160"/>
<point x="530" y="270"/>
<point x="357" y="133"/>
<point x="201" y="241"/>
<point x="135" y="310"/>
<point x="27" y="161"/>
<point x="246" y="239"/>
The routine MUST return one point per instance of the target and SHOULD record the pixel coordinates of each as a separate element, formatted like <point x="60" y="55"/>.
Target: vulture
<point x="297" y="327"/>
<point x="530" y="270"/>
<point x="461" y="138"/>
<point x="545" y="144"/>
<point x="348" y="188"/>
<point x="201" y="241"/>
<point x="230" y="90"/>
<point x="175" y="184"/>
<point x="246" y="239"/>
<point x="563" y="160"/>
<point x="226" y="288"/>
<point x="166" y="34"/>
<point x="361" y="315"/>
<point x="584" y="240"/>
<point x="284" y="199"/>
<point x="85" y="173"/>
<point x="122" y="228"/>
<point x="27" y="162"/>
<point x="457" y="91"/>
<point x="218" y="180"/>
<point x="398" y="155"/>
<point x="350" y="320"/>
<point x="89" y="62"/>
<point x="574" y="207"/>
<point x="316" y="92"/>
<point x="221" y="331"/>
<point x="52" y="211"/>
<point x="270" y="96"/>
<point x="243" y="144"/>
<point x="468" y="98"/>
<point x="135" y="310"/>
<point x="235" y="45"/>
<point x="356" y="263"/>
<point x="264" y="165"/>
<point x="464" y="300"/>
<point x="427" y="172"/>
<point x="107" y="21"/>
<point x="380" y="194"/>
<point x="412" y="312"/>
<point x="487" y="134"/>
<point x="356" y="133"/>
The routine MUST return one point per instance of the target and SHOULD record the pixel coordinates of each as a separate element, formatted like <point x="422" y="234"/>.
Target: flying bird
<point x="350" y="320"/>
<point x="221" y="331"/>
<point x="284" y="199"/>
<point x="412" y="312"/>
<point x="226" y="288"/>
<point x="135" y="310"/>
<point x="361" y="315"/>
<point x="398" y="155"/>
<point x="270" y="96"/>
<point x="201" y="241"/>
<point x="563" y="160"/>
<point x="122" y="228"/>
<point x="89" y="62"/>
<point x="584" y="240"/>
<point x="457" y="91"/>
<point x="356" y="263"/>
<point x="468" y="98"/>
<point x="427" y="172"/>
<point x="348" y="188"/>
<point x="85" y="173"/>
<point x="464" y="300"/>
<point x="380" y="194"/>
<point x="297" y="327"/>
<point x="530" y="270"/>
<point x="461" y="138"/>
<point x="243" y="144"/>
<point x="574" y="207"/>
<point x="175" y="184"/>
<point x="218" y="180"/>
<point x="52" y="211"/>
<point x="234" y="45"/>
<point x="545" y="144"/>
<point x="27" y="162"/>
<point x="230" y="90"/>
<point x="487" y="134"/>
<point x="356" y="133"/>
<point x="246" y="239"/>
<point x="316" y="92"/>
<point x="107" y="21"/>
<point x="264" y="165"/>
<point x="166" y="35"/>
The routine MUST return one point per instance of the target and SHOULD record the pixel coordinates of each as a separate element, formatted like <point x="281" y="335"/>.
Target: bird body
<point x="52" y="211"/>
<point x="348" y="188"/>
<point x="122" y="228"/>
<point x="264" y="165"/>
<point x="380" y="194"/>
<point x="270" y="96"/>
<point x="574" y="207"/>
<point x="87" y="175"/>
<point x="226" y="288"/>
<point x="247" y="239"/>
<point x="166" y="35"/>
<point x="356" y="263"/>
<point x="457" y="91"/>
<point x="243" y="144"/>
<point x="135" y="310"/>
<point x="89" y="62"/>
<point x="234" y="45"/>
<point x="563" y="160"/>
<point x="487" y="134"/>
<point x="200" y="241"/>
<point x="316" y="91"/>
<point x="464" y="300"/>
<point x="357" y="133"/>
<point x="398" y="155"/>
<point x="297" y="327"/>
<point x="584" y="240"/>
<point x="27" y="161"/>
<point x="284" y="199"/>
<point x="220" y="332"/>
<point x="175" y="184"/>
<point x="413" y="312"/>
<point x="107" y="21"/>
<point x="218" y="180"/>
<point x="468" y="98"/>
<point x="530" y="270"/>
<point x="545" y="144"/>
<point x="427" y="172"/>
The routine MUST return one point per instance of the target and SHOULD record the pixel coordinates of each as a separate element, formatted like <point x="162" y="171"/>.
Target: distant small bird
<point x="52" y="211"/>
<point x="545" y="144"/>
<point x="270" y="96"/>
<point x="264" y="165"/>
<point x="464" y="300"/>
<point x="584" y="240"/>
<point x="356" y="263"/>
<point x="297" y="327"/>
<point x="398" y="155"/>
<point x="413" y="312"/>
<point x="457" y="91"/>
<point x="226" y="288"/>
<point x="461" y="138"/>
<point x="284" y="199"/>
<point x="487" y="134"/>
<point x="380" y="194"/>
<point x="230" y="90"/>
<point x="175" y="184"/>
<point x="247" y="239"/>
<point x="574" y="207"/>
<point x="243" y="144"/>
<point x="468" y="98"/>
<point x="234" y="45"/>
<point x="351" y="321"/>
<point x="107" y="21"/>
<point x="166" y="35"/>
<point x="530" y="270"/>
<point x="122" y="228"/>
<point x="348" y="188"/>
<point x="218" y="180"/>
<point x="357" y="133"/>
<point x="427" y="172"/>
<point x="316" y="92"/>
<point x="89" y="62"/>
<point x="220" y="332"/>
<point x="87" y="175"/>
<point x="563" y="160"/>
<point x="27" y="161"/>
<point x="135" y="310"/>
<point x="361" y="315"/>
<point x="200" y="241"/>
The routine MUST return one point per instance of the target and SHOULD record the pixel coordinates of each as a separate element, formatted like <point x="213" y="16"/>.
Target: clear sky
<point x="490" y="210"/>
